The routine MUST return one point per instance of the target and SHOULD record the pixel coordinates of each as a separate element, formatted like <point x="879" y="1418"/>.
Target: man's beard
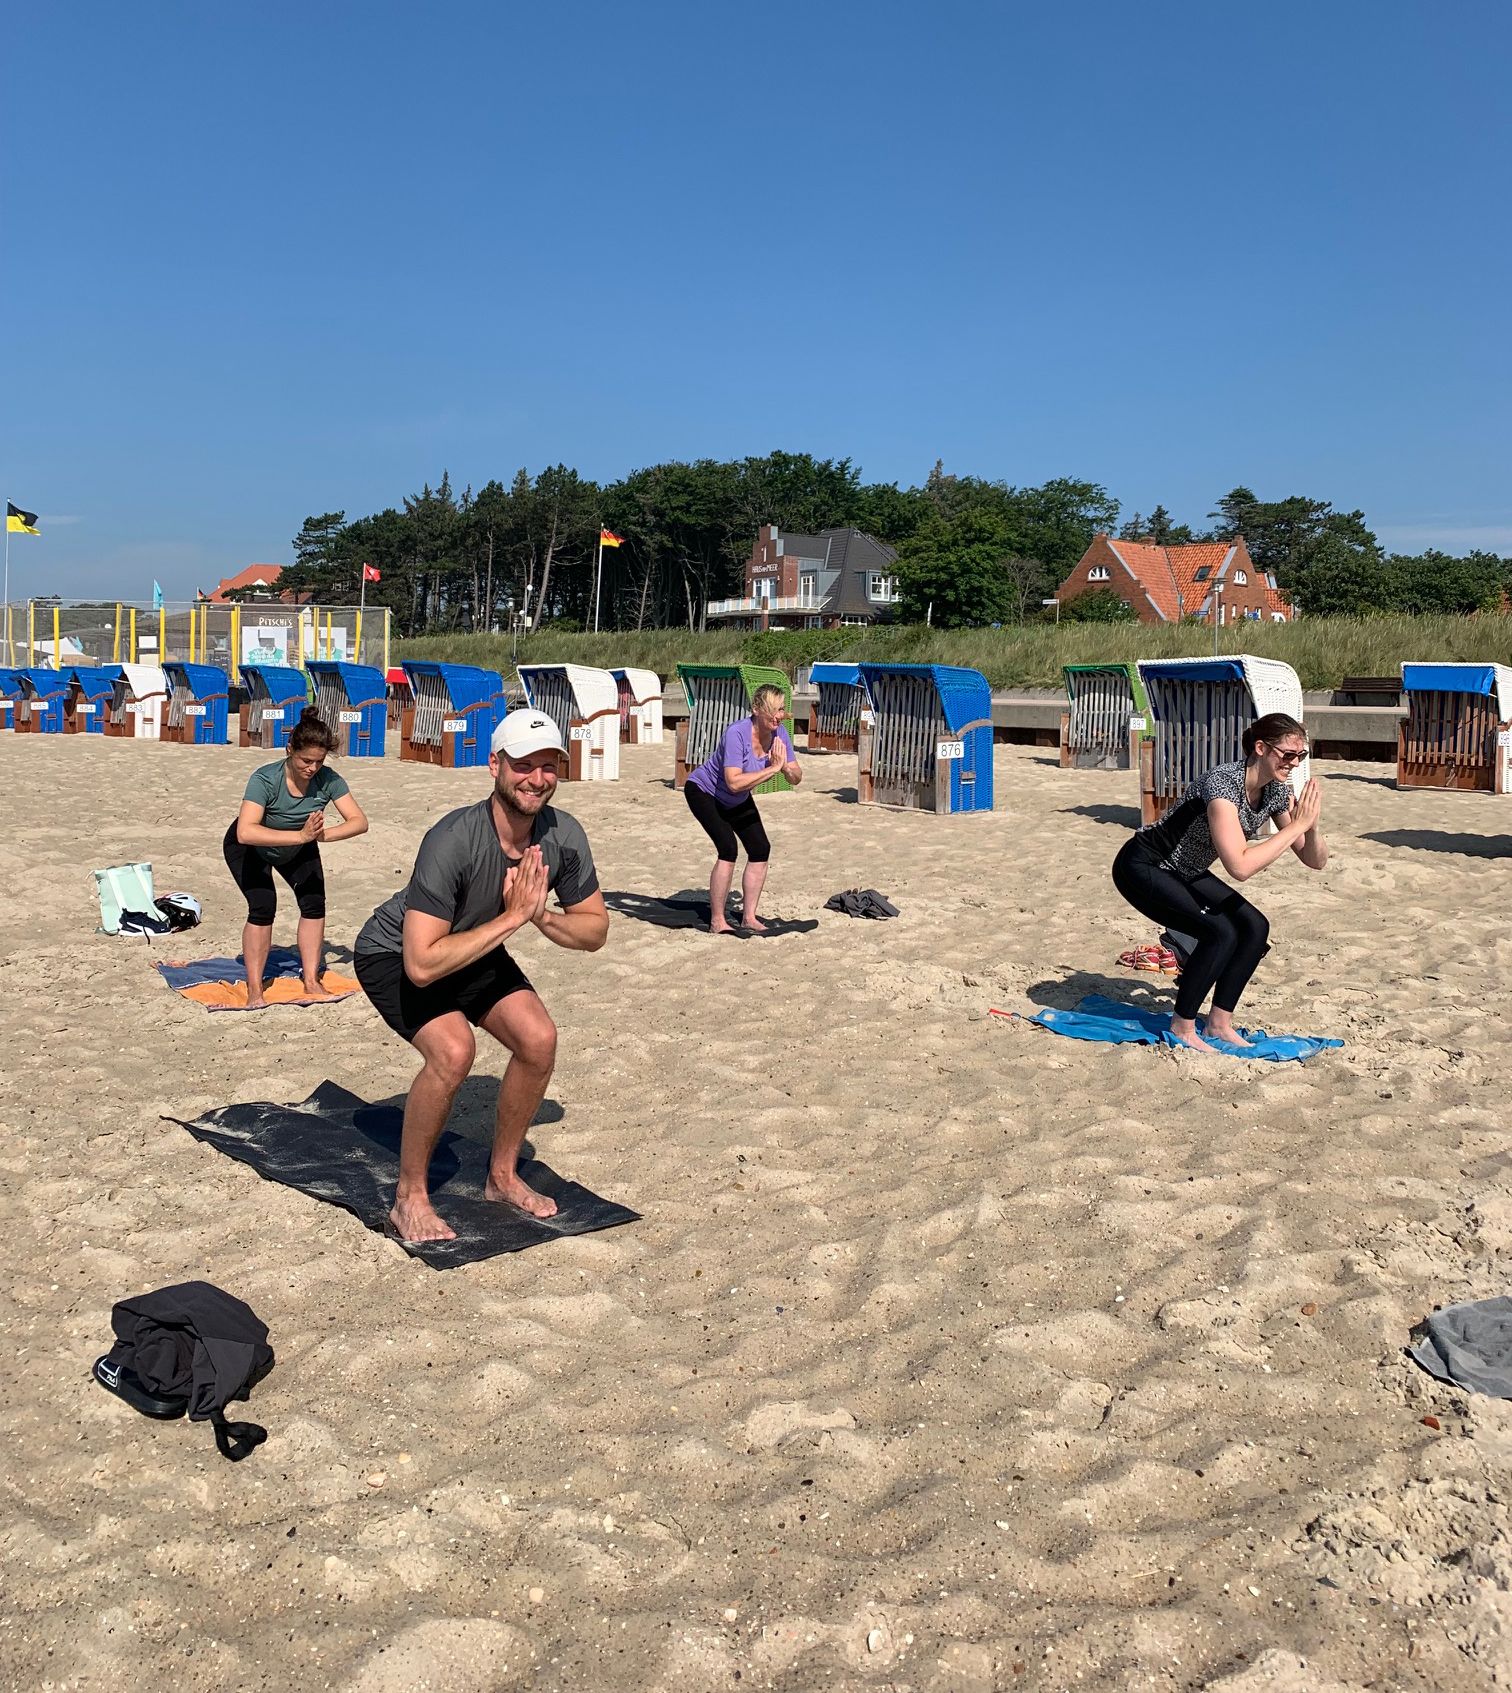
<point x="510" y="800"/>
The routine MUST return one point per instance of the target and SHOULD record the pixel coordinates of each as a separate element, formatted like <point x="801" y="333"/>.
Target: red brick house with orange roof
<point x="1165" y="584"/>
<point x="260" y="580"/>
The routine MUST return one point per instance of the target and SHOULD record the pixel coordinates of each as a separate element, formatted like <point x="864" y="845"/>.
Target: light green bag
<point x="124" y="887"/>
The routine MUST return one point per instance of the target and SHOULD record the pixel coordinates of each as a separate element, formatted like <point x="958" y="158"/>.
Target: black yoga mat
<point x="338" y="1148"/>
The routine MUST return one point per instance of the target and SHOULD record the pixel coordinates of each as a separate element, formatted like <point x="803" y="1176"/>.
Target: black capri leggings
<point x="253" y="874"/>
<point x="726" y="825"/>
<point x="1232" y="936"/>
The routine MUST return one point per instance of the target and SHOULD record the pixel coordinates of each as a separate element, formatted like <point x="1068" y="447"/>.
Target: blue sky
<point x="260" y="262"/>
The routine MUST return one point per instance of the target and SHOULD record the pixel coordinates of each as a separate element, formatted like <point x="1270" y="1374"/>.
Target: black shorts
<point x="254" y="876"/>
<point x="730" y="825"/>
<point x="406" y="1007"/>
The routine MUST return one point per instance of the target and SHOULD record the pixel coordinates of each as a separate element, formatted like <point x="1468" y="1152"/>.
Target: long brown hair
<point x="1276" y="727"/>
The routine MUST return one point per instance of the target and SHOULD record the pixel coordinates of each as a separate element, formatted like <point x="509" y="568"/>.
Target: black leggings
<point x="727" y="824"/>
<point x="1232" y="936"/>
<point x="254" y="876"/>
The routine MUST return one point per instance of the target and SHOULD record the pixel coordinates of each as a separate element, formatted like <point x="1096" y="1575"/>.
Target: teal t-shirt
<point x="282" y="810"/>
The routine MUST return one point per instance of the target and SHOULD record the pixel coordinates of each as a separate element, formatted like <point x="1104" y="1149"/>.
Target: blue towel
<point x="1101" y="1019"/>
<point x="282" y="961"/>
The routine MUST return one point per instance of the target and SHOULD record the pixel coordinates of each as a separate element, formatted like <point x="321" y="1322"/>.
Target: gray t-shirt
<point x="268" y="787"/>
<point x="459" y="873"/>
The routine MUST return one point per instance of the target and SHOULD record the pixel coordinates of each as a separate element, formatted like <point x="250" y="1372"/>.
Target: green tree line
<point x="971" y="551"/>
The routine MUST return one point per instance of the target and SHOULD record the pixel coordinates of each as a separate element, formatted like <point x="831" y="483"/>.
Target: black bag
<point x="191" y="1348"/>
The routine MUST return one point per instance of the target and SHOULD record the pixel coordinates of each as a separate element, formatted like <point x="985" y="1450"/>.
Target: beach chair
<point x="584" y="705"/>
<point x="835" y="720"/>
<point x="718" y="695"/>
<point x="929" y="744"/>
<point x="452" y="714"/>
<point x="1458" y="728"/>
<point x="87" y="702"/>
<point x="1200" y="708"/>
<point x="137" y="703"/>
<point x="10" y="696"/>
<point x="640" y="706"/>
<point x="1106" y="715"/>
<point x="353" y="700"/>
<point x="276" y="695"/>
<point x="40" y="706"/>
<point x="198" y="704"/>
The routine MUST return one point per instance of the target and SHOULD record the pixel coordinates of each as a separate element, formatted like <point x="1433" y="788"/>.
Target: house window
<point x="1202" y="574"/>
<point x="808" y="588"/>
<point x="880" y="586"/>
<point x="855" y="622"/>
<point x="1099" y="573"/>
<point x="1241" y="579"/>
<point x="763" y="587"/>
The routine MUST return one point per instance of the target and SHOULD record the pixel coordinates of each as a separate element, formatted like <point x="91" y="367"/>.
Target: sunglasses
<point x="1289" y="758"/>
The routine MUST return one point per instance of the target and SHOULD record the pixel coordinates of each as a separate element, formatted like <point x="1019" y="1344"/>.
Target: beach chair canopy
<point x="965" y="698"/>
<point x="144" y="680"/>
<point x="593" y="690"/>
<point x="1493" y="680"/>
<point x="465" y="686"/>
<point x="204" y="681"/>
<point x="644" y="685"/>
<point x="1272" y="685"/>
<point x="1072" y="673"/>
<point x="841" y="675"/>
<point x="95" y="681"/>
<point x="357" y="685"/>
<point x="277" y="682"/>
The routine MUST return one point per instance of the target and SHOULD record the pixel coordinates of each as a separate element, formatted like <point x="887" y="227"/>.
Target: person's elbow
<point x="241" y="835"/>
<point x="358" y="824"/>
<point x="421" y="973"/>
<point x="594" y="940"/>
<point x="1236" y="869"/>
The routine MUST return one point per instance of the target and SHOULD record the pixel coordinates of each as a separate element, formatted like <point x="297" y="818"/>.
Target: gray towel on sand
<point x="1471" y="1346"/>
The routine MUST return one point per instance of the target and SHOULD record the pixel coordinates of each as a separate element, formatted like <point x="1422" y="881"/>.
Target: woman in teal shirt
<point x="280" y="827"/>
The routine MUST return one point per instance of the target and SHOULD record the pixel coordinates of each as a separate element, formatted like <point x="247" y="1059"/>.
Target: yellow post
<point x="57" y="638"/>
<point x="31" y="633"/>
<point x="234" y="663"/>
<point x="328" y="637"/>
<point x="388" y="618"/>
<point x="162" y="634"/>
<point x="356" y="655"/>
<point x="115" y="651"/>
<point x="133" y="636"/>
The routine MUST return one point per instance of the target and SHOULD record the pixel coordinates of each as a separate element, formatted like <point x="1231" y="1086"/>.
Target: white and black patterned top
<point x="1182" y="840"/>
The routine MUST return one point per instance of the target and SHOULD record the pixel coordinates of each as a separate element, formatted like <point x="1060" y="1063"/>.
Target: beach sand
<point x="948" y="1354"/>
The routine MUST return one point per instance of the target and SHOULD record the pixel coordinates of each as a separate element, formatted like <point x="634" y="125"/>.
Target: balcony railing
<point x="754" y="607"/>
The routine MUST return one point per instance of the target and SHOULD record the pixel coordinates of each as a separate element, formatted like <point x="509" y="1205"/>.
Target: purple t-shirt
<point x="737" y="751"/>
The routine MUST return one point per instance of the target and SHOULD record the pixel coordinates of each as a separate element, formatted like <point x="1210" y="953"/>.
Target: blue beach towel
<point x="220" y="984"/>
<point x="1101" y="1019"/>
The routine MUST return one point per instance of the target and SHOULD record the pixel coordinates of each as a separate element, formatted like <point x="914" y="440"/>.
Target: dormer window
<point x="1099" y="573"/>
<point x="1241" y="579"/>
<point x="1202" y="574"/>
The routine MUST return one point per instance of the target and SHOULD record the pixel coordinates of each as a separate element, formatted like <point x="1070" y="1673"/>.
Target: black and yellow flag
<point x="18" y="522"/>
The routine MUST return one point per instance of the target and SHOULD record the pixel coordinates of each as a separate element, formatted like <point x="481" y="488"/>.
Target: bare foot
<point x="1190" y="1037"/>
<point x="418" y="1219"/>
<point x="721" y="929"/>
<point x="258" y="1004"/>
<point x="1227" y="1033"/>
<point x="515" y="1192"/>
<point x="754" y="924"/>
<point x="315" y="990"/>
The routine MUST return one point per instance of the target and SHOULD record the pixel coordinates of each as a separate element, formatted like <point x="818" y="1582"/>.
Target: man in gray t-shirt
<point x="432" y="959"/>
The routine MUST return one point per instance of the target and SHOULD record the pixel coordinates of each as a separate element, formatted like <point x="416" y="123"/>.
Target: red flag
<point x="607" y="538"/>
<point x="370" y="573"/>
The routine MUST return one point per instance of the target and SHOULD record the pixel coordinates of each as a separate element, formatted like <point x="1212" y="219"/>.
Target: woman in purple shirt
<point x="721" y="794"/>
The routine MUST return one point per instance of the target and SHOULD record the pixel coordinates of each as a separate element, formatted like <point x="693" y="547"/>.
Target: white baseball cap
<point x="525" y="731"/>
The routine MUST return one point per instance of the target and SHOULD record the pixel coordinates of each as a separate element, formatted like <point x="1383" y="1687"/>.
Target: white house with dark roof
<point x="835" y="579"/>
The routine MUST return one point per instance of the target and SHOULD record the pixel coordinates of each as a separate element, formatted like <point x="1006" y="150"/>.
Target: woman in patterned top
<point x="1164" y="871"/>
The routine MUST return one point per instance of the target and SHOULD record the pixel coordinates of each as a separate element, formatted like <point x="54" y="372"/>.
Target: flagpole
<point x="598" y="573"/>
<point x="9" y="656"/>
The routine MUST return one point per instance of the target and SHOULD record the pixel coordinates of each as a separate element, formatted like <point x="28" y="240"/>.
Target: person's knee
<point x="758" y="850"/>
<point x="1254" y="927"/>
<point x="449" y="1058"/>
<point x="261" y="910"/>
<point x="535" y="1042"/>
<point x="313" y="905"/>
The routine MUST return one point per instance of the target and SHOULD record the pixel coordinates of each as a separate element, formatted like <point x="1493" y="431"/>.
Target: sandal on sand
<point x="1148" y="958"/>
<point x="124" y="1382"/>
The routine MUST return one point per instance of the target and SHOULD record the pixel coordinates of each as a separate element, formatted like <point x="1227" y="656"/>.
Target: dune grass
<point x="1322" y="650"/>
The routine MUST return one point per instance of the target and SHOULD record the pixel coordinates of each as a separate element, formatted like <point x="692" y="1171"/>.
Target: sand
<point x="948" y="1354"/>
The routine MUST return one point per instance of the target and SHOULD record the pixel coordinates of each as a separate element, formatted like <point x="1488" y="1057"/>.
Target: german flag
<point x="607" y="538"/>
<point x="18" y="522"/>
